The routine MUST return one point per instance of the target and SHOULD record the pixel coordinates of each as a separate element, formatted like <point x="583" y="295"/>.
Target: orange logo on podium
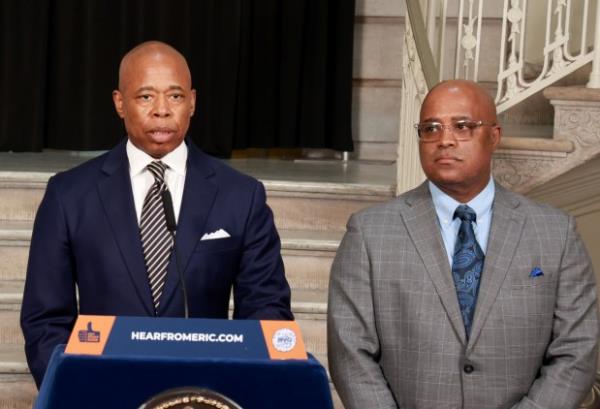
<point x="90" y="334"/>
<point x="283" y="339"/>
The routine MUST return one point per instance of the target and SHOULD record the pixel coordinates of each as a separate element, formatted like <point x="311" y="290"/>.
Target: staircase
<point x="310" y="215"/>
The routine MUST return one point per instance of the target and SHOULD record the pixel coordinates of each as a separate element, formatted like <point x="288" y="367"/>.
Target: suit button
<point x="468" y="368"/>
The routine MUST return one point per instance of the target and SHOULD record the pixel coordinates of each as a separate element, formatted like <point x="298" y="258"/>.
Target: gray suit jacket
<point x="395" y="332"/>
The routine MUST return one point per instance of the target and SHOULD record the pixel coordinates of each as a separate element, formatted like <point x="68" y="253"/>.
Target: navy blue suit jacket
<point x="86" y="235"/>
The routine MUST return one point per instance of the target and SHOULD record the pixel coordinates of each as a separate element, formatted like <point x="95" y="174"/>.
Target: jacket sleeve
<point x="49" y="305"/>
<point x="352" y="340"/>
<point x="569" y="366"/>
<point x="261" y="290"/>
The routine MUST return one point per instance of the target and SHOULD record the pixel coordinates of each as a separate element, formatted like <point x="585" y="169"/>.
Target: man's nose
<point x="161" y="107"/>
<point x="447" y="137"/>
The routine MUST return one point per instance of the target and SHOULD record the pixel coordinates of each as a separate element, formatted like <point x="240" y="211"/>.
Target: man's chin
<point x="158" y="148"/>
<point x="446" y="176"/>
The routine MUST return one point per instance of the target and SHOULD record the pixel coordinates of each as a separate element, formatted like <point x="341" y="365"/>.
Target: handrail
<point x="563" y="51"/>
<point x="415" y="16"/>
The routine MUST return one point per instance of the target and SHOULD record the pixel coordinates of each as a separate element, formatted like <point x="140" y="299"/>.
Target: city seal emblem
<point x="284" y="340"/>
<point x="190" y="398"/>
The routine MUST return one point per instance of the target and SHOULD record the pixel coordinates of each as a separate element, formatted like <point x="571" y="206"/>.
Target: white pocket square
<point x="219" y="234"/>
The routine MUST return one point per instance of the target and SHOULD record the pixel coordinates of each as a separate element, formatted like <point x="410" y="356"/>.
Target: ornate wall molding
<point x="577" y="119"/>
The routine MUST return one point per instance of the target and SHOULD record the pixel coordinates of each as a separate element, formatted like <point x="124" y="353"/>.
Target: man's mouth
<point x="160" y="133"/>
<point x="447" y="160"/>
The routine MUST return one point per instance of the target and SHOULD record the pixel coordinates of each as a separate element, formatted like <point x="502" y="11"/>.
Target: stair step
<point x="303" y="301"/>
<point x="12" y="360"/>
<point x="527" y="130"/>
<point x="14" y="249"/>
<point x="536" y="145"/>
<point x="11" y="295"/>
<point x="310" y="310"/>
<point x="17" y="391"/>
<point x="307" y="255"/>
<point x="296" y="191"/>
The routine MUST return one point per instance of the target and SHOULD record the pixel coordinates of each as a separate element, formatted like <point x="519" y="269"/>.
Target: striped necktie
<point x="467" y="265"/>
<point x="157" y="241"/>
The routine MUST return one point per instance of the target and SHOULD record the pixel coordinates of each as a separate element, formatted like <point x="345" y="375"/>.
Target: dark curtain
<point x="268" y="73"/>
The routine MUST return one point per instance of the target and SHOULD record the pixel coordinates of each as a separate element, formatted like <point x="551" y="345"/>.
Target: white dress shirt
<point x="142" y="180"/>
<point x="445" y="206"/>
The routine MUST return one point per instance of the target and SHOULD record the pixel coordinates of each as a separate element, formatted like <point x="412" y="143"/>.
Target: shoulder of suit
<point x="535" y="213"/>
<point x="524" y="204"/>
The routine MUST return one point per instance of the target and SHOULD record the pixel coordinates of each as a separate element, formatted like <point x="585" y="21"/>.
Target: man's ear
<point x="496" y="136"/>
<point x="118" y="101"/>
<point x="192" y="102"/>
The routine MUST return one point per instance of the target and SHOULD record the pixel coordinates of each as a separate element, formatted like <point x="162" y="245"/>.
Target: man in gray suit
<point x="459" y="293"/>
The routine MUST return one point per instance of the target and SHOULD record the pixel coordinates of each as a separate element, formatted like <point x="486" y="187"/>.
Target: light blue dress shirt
<point x="445" y="207"/>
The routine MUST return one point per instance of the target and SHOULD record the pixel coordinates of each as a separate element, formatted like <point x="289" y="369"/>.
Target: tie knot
<point x="465" y="213"/>
<point x="157" y="168"/>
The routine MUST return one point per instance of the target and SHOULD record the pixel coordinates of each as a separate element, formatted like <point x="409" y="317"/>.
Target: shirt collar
<point x="445" y="205"/>
<point x="138" y="159"/>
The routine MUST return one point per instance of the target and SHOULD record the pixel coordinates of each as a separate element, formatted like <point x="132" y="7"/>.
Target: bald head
<point x="156" y="51"/>
<point x="477" y="96"/>
<point x="155" y="98"/>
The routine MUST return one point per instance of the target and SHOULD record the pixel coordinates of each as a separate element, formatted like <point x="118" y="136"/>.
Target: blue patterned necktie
<point x="467" y="265"/>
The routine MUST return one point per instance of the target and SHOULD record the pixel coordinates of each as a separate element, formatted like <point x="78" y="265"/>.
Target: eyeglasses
<point x="462" y="129"/>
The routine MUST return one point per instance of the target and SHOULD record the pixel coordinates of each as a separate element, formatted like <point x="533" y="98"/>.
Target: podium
<point x="124" y="362"/>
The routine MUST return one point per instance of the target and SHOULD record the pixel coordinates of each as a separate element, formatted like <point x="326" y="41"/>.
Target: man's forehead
<point x="454" y="91"/>
<point x="153" y="57"/>
<point x="457" y="101"/>
<point x="146" y="73"/>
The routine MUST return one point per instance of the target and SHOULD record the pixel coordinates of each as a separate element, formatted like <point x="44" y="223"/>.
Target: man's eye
<point x="144" y="97"/>
<point x="177" y="97"/>
<point x="464" y="125"/>
<point x="431" y="128"/>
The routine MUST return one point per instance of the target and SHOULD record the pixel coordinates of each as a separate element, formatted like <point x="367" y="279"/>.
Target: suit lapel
<point x="198" y="198"/>
<point x="505" y="233"/>
<point x="117" y="199"/>
<point x="421" y="222"/>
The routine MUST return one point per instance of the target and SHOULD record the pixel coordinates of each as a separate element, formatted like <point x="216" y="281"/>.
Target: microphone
<point x="172" y="227"/>
<point x="169" y="213"/>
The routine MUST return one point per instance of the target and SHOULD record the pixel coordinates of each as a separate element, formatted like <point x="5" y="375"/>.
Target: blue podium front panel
<point x="122" y="362"/>
<point x="77" y="381"/>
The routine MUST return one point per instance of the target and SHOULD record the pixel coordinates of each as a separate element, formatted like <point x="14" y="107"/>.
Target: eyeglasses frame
<point x="478" y="124"/>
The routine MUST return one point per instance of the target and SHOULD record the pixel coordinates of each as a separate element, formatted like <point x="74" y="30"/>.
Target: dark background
<point x="268" y="73"/>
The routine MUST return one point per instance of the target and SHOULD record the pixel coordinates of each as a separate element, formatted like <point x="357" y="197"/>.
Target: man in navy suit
<point x="87" y="236"/>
